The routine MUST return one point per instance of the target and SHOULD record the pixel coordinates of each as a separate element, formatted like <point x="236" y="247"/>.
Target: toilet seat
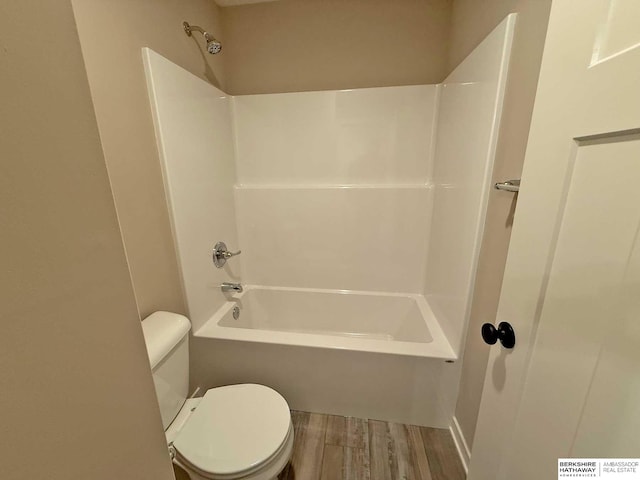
<point x="234" y="431"/>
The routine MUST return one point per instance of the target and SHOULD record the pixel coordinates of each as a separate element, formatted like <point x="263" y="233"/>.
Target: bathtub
<point x="364" y="354"/>
<point x="393" y="323"/>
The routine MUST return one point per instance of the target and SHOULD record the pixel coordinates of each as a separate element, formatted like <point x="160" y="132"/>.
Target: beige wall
<point x="77" y="396"/>
<point x="471" y="22"/>
<point x="112" y="32"/>
<point x="297" y="45"/>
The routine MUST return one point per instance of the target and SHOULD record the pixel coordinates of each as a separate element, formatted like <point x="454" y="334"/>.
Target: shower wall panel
<point x="195" y="139"/>
<point x="333" y="187"/>
<point x="469" y="117"/>
<point x="372" y="135"/>
<point x="356" y="238"/>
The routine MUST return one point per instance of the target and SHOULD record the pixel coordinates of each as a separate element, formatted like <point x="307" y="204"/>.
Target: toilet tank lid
<point x="163" y="331"/>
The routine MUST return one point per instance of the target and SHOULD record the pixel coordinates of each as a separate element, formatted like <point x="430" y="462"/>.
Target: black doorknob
<point x="504" y="333"/>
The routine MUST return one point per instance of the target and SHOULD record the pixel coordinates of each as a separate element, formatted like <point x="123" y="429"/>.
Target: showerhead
<point x="213" y="45"/>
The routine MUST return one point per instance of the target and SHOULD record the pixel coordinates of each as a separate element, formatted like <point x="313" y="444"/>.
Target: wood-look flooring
<point x="329" y="447"/>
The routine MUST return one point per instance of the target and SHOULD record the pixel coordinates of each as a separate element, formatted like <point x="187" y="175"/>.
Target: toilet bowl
<point x="239" y="431"/>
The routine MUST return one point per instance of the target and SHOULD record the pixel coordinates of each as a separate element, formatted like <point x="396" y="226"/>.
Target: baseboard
<point x="461" y="444"/>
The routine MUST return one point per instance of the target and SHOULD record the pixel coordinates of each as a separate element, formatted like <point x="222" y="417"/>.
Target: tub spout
<point x="231" y="287"/>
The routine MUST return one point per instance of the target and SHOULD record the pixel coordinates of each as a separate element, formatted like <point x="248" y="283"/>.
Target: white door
<point x="571" y="385"/>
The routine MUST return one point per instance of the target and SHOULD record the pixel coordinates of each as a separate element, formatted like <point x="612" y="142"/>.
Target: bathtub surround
<point x="369" y="136"/>
<point x="319" y="218"/>
<point x="291" y="232"/>
<point x="193" y="121"/>
<point x="468" y="121"/>
<point x="357" y="237"/>
<point x="76" y="397"/>
<point x="301" y="155"/>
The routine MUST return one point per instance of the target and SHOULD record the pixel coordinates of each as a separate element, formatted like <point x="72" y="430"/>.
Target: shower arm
<point x="189" y="29"/>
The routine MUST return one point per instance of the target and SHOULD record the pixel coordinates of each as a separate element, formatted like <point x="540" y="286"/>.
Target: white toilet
<point x="233" y="432"/>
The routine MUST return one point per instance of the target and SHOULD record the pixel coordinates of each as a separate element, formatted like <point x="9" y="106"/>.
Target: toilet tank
<point x="167" y="339"/>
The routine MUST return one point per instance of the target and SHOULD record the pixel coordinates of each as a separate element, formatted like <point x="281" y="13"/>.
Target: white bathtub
<point x="361" y="354"/>
<point x="394" y="323"/>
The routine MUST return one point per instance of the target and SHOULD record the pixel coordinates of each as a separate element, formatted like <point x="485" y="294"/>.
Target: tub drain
<point x="236" y="312"/>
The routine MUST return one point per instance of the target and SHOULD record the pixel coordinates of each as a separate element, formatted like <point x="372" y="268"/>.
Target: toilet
<point x="234" y="432"/>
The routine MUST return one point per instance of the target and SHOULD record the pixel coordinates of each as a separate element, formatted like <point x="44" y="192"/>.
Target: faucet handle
<point x="221" y="254"/>
<point x="228" y="255"/>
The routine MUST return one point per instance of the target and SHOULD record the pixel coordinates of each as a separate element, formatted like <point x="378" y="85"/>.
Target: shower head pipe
<point x="213" y="45"/>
